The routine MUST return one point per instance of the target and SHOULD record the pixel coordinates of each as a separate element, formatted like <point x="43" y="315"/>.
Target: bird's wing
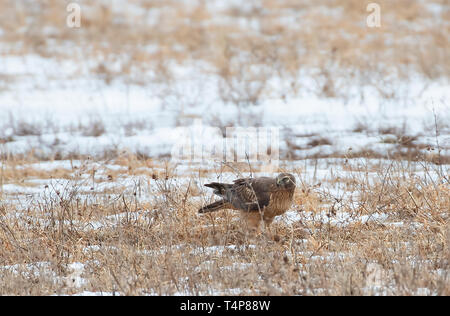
<point x="251" y="194"/>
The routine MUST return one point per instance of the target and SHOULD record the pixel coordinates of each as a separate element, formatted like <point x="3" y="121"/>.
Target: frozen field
<point x="91" y="202"/>
<point x="69" y="118"/>
<point x="89" y="228"/>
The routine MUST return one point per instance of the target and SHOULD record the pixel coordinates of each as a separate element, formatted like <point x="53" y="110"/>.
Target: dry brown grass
<point x="328" y="39"/>
<point x="340" y="245"/>
<point x="385" y="230"/>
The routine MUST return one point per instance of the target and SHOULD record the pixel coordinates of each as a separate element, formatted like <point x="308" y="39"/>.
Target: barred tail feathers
<point x="216" y="206"/>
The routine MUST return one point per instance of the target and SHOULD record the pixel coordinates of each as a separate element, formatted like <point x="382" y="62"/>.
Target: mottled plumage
<point x="257" y="198"/>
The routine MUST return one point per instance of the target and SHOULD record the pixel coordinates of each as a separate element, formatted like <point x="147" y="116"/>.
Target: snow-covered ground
<point x="55" y="113"/>
<point x="81" y="132"/>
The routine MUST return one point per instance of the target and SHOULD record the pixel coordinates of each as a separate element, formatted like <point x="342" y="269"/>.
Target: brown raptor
<point x="258" y="199"/>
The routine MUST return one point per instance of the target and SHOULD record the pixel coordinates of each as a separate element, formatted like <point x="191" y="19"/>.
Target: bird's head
<point x="286" y="181"/>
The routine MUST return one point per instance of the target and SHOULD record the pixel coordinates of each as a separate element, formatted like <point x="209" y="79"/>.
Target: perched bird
<point x="257" y="198"/>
